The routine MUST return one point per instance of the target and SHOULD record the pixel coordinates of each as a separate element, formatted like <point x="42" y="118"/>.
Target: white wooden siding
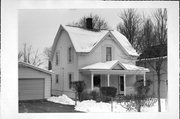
<point x="64" y="66"/>
<point x="99" y="54"/>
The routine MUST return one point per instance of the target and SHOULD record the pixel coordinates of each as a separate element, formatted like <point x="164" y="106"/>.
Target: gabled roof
<point x="109" y="65"/>
<point x="34" y="67"/>
<point x="102" y="65"/>
<point x="124" y="43"/>
<point x="85" y="41"/>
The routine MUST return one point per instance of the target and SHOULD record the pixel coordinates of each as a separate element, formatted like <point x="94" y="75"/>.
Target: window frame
<point x="57" y="58"/>
<point x="108" y="54"/>
<point x="57" y="78"/>
<point x="70" y="54"/>
<point x="70" y="79"/>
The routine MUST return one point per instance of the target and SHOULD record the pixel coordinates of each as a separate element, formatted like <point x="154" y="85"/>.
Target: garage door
<point x="31" y="89"/>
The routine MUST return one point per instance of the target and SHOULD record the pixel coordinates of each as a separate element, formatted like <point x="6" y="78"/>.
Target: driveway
<point x="43" y="106"/>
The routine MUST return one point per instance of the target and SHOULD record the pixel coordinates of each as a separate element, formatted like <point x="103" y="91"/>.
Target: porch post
<point x="108" y="80"/>
<point x="92" y="81"/>
<point x="144" y="79"/>
<point x="124" y="85"/>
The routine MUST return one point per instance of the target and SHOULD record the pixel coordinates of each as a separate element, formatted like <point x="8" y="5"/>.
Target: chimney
<point x="89" y="23"/>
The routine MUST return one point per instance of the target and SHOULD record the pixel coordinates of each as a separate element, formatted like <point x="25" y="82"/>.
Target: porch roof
<point x="114" y="65"/>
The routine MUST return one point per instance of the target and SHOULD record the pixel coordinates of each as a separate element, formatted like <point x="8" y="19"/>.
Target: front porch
<point x="114" y="74"/>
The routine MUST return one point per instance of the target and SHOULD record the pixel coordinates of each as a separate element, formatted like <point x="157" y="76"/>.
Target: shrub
<point x="91" y="94"/>
<point x="140" y="88"/>
<point x="107" y="93"/>
<point x="85" y="95"/>
<point x="139" y="100"/>
<point x="136" y="102"/>
<point x="79" y="87"/>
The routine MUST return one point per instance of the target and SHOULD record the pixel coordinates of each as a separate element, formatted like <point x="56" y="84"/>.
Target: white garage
<point x="33" y="83"/>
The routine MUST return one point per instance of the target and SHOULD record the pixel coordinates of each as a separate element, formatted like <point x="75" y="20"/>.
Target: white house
<point x="100" y="58"/>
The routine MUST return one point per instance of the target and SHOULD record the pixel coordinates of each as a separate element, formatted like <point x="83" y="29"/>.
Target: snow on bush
<point x="93" y="106"/>
<point x="155" y="107"/>
<point x="62" y="99"/>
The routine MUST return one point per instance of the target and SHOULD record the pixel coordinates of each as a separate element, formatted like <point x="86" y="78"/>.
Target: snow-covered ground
<point x="62" y="99"/>
<point x="93" y="106"/>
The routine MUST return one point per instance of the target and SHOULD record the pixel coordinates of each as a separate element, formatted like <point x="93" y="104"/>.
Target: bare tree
<point x="29" y="56"/>
<point x="147" y="37"/>
<point x="130" y="25"/>
<point x="98" y="23"/>
<point x="48" y="54"/>
<point x="154" y="45"/>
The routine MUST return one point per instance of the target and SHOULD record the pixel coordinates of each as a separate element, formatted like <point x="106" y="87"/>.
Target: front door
<point x="97" y="80"/>
<point x="121" y="84"/>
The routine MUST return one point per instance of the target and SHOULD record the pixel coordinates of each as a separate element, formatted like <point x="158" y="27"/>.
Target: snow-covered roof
<point x="34" y="67"/>
<point x="111" y="64"/>
<point x="85" y="40"/>
<point x="134" y="67"/>
<point x="124" y="43"/>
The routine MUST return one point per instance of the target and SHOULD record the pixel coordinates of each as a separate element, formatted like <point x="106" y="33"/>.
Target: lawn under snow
<point x="62" y="99"/>
<point x="93" y="106"/>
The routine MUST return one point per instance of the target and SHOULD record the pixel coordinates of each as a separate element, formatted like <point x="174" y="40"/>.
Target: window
<point x="70" y="54"/>
<point x="108" y="53"/>
<point x="57" y="78"/>
<point x="57" y="58"/>
<point x="70" y="80"/>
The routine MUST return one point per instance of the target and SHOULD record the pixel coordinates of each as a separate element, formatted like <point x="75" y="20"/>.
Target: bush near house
<point x="140" y="88"/>
<point x="107" y="93"/>
<point x="136" y="102"/>
<point x="104" y="94"/>
<point x="139" y="100"/>
<point x="91" y="94"/>
<point x="79" y="86"/>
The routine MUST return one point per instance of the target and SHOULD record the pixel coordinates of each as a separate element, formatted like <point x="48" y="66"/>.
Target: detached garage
<point x="34" y="83"/>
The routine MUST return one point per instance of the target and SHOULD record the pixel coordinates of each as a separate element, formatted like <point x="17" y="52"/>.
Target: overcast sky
<point x="39" y="27"/>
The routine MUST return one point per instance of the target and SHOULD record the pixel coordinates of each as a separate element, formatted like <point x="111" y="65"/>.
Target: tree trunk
<point x="111" y="104"/>
<point x="138" y="105"/>
<point x="159" y="98"/>
<point x="75" y="98"/>
<point x="79" y="96"/>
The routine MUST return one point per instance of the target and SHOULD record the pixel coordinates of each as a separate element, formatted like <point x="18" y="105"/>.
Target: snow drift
<point x="93" y="106"/>
<point x="62" y="100"/>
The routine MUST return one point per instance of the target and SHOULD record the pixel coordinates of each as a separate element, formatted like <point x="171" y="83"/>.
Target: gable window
<point x="57" y="58"/>
<point x="108" y="53"/>
<point x="70" y="54"/>
<point x="70" y="80"/>
<point x="57" y="78"/>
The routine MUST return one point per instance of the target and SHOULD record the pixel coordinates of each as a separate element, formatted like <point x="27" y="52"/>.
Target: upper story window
<point x="57" y="78"/>
<point x="70" y="54"/>
<point x="57" y="58"/>
<point x="108" y="53"/>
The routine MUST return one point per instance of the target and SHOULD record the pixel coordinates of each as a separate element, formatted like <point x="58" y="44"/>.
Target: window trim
<point x="70" y="55"/>
<point x="57" y="58"/>
<point x="70" y="80"/>
<point x="107" y="58"/>
<point x="57" y="78"/>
